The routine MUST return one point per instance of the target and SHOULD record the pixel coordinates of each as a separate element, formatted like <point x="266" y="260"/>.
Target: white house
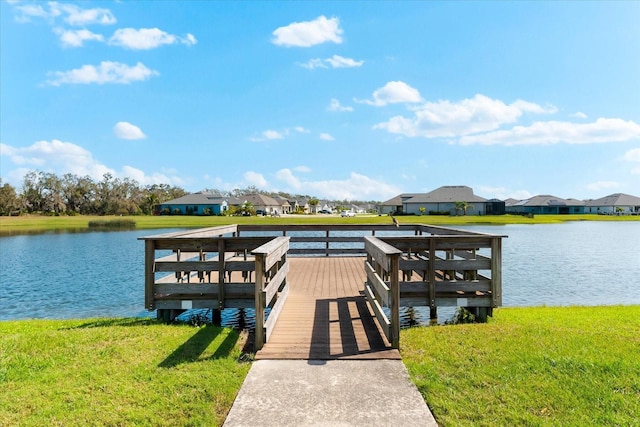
<point x="618" y="203"/>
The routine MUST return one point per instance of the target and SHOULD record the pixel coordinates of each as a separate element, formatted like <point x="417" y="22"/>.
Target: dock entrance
<point x="326" y="315"/>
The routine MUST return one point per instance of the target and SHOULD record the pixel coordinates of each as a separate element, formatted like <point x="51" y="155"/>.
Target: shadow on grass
<point x="193" y="348"/>
<point x="126" y="321"/>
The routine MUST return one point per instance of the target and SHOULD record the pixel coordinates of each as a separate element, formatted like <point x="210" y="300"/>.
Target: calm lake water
<point x="101" y="274"/>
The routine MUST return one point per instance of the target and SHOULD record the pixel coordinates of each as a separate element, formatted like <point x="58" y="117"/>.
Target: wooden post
<point x="496" y="271"/>
<point x="433" y="309"/>
<point x="394" y="264"/>
<point x="327" y="244"/>
<point x="149" y="275"/>
<point x="221" y="273"/>
<point x="259" y="302"/>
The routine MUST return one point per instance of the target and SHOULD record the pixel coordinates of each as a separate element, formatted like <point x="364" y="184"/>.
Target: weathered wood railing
<point x="383" y="262"/>
<point x="433" y="271"/>
<point x="201" y="271"/>
<point x="271" y="287"/>
<point x="338" y="239"/>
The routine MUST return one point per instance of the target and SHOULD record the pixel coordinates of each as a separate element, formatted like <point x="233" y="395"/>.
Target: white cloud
<point x="147" y="38"/>
<point x="503" y="193"/>
<point x="603" y="185"/>
<point x="336" y="61"/>
<point x="326" y="137"/>
<point x="28" y="11"/>
<point x="106" y="72"/>
<point x="301" y="168"/>
<point x="579" y="115"/>
<point x="554" y="132"/>
<point x="125" y="130"/>
<point x="78" y="16"/>
<point x="65" y="157"/>
<point x="308" y="33"/>
<point x="313" y="64"/>
<point x="76" y="38"/>
<point x="633" y="156"/>
<point x="155" y="178"/>
<point x="392" y="93"/>
<point x="271" y="134"/>
<point x="254" y="178"/>
<point x="335" y="105"/>
<point x="70" y="13"/>
<point x="355" y="187"/>
<point x="286" y="176"/>
<point x="57" y="156"/>
<point x="452" y="119"/>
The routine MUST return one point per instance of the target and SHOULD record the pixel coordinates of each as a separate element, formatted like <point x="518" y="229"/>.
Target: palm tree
<point x="463" y="206"/>
<point x="314" y="204"/>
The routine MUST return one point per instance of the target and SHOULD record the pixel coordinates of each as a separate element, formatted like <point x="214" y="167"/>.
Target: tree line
<point x="49" y="194"/>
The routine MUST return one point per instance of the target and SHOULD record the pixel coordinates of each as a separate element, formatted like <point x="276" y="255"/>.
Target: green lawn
<point x="117" y="372"/>
<point x="577" y="366"/>
<point x="570" y="366"/>
<point x="35" y="223"/>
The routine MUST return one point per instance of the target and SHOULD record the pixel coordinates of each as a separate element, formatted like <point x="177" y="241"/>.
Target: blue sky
<point x="339" y="100"/>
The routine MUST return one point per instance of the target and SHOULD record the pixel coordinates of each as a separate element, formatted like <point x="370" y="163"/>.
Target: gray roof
<point x="448" y="194"/>
<point x="399" y="199"/>
<point x="548" y="200"/>
<point x="259" y="200"/>
<point x="281" y="200"/>
<point x="617" y="199"/>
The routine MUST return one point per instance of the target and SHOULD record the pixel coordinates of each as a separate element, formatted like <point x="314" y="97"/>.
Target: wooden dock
<point x="307" y="282"/>
<point x="326" y="315"/>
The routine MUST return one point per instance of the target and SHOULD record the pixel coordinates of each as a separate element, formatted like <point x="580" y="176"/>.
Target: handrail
<point x="271" y="287"/>
<point x="383" y="261"/>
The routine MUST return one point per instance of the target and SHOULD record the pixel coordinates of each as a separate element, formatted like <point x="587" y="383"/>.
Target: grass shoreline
<point x="538" y="366"/>
<point x="33" y="224"/>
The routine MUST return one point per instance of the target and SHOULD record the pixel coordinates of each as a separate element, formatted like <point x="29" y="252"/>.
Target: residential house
<point x="260" y="202"/>
<point x="325" y="205"/>
<point x="394" y="205"/>
<point x="285" y="206"/>
<point x="302" y="206"/>
<point x="618" y="203"/>
<point x="201" y="203"/>
<point x="546" y="204"/>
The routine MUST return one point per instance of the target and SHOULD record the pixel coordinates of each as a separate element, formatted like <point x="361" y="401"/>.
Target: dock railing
<point x="271" y="287"/>
<point x="449" y="270"/>
<point x="200" y="269"/>
<point x="383" y="263"/>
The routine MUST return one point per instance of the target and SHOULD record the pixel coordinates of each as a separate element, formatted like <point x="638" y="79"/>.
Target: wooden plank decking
<point x="326" y="315"/>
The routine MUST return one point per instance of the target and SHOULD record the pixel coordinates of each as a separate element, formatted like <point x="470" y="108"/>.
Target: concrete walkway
<point x="329" y="393"/>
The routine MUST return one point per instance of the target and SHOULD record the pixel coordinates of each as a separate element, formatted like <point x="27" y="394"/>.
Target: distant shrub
<point x="114" y="223"/>
<point x="461" y="316"/>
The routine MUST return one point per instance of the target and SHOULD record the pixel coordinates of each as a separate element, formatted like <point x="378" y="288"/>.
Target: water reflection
<point x="245" y="318"/>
